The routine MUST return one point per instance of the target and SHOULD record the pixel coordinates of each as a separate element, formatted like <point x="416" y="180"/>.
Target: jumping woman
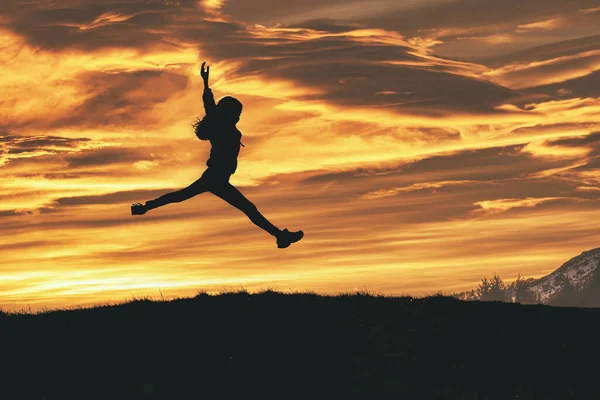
<point x="218" y="126"/>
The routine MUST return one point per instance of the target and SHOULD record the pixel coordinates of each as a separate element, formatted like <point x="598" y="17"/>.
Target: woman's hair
<point x="205" y="126"/>
<point x="228" y="107"/>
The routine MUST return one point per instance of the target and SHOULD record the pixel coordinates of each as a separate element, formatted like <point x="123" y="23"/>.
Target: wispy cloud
<point x="591" y="10"/>
<point x="551" y="23"/>
<point x="501" y="205"/>
<point x="415" y="186"/>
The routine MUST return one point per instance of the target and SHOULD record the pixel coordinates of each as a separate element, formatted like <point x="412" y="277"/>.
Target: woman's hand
<point x="204" y="73"/>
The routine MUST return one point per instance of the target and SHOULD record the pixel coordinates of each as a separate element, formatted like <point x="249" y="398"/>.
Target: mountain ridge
<point x="578" y="271"/>
<point x="575" y="283"/>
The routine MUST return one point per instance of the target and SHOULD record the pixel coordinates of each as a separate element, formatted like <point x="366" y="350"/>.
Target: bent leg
<point x="230" y="194"/>
<point x="199" y="186"/>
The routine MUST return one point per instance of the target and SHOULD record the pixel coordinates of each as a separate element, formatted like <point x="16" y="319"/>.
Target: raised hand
<point x="204" y="73"/>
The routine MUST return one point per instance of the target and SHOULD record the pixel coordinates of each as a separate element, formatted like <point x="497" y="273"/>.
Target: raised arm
<point x="207" y="96"/>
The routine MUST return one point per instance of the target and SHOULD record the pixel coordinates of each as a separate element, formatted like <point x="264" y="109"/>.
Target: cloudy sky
<point x="420" y="145"/>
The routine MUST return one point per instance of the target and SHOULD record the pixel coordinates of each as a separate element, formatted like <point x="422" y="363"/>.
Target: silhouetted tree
<point x="498" y="291"/>
<point x="471" y="295"/>
<point x="491" y="289"/>
<point x="466" y="295"/>
<point x="484" y="289"/>
<point x="523" y="294"/>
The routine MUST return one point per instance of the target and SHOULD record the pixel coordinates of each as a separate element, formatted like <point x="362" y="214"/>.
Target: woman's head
<point x="230" y="108"/>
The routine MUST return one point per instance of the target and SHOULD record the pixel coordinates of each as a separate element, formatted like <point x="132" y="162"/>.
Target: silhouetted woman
<point x="218" y="126"/>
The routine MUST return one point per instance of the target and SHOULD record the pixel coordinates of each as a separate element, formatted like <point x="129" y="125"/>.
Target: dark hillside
<point x="302" y="345"/>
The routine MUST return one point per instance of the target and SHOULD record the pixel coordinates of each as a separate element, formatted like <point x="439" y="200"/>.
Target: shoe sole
<point x="289" y="243"/>
<point x="133" y="212"/>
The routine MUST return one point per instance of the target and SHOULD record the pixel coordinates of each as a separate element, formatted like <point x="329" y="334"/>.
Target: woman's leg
<point x="199" y="186"/>
<point x="230" y="194"/>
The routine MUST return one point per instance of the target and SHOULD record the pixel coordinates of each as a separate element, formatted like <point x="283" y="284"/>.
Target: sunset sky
<point x="420" y="145"/>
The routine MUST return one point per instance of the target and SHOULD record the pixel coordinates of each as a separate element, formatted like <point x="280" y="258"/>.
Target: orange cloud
<point x="104" y="19"/>
<point x="551" y="23"/>
<point x="498" y="38"/>
<point x="416" y="186"/>
<point x="591" y="10"/>
<point x="213" y="4"/>
<point x="546" y="72"/>
<point x="501" y="205"/>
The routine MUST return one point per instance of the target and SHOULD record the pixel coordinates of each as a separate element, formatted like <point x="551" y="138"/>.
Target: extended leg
<point x="230" y="194"/>
<point x="199" y="186"/>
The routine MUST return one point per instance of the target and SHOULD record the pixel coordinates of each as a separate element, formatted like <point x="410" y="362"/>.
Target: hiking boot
<point x="285" y="238"/>
<point x="138" y="209"/>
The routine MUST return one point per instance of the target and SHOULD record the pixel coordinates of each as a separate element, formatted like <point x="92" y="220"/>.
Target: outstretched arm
<point x="207" y="96"/>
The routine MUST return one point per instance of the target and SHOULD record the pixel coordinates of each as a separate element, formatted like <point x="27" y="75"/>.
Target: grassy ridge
<point x="353" y="346"/>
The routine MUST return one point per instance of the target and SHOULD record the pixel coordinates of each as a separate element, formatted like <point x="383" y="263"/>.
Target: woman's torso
<point x="225" y="149"/>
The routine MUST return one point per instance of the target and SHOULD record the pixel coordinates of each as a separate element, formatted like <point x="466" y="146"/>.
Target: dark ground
<point x="302" y="346"/>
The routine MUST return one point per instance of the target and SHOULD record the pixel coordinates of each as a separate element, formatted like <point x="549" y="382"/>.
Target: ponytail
<point x="204" y="128"/>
